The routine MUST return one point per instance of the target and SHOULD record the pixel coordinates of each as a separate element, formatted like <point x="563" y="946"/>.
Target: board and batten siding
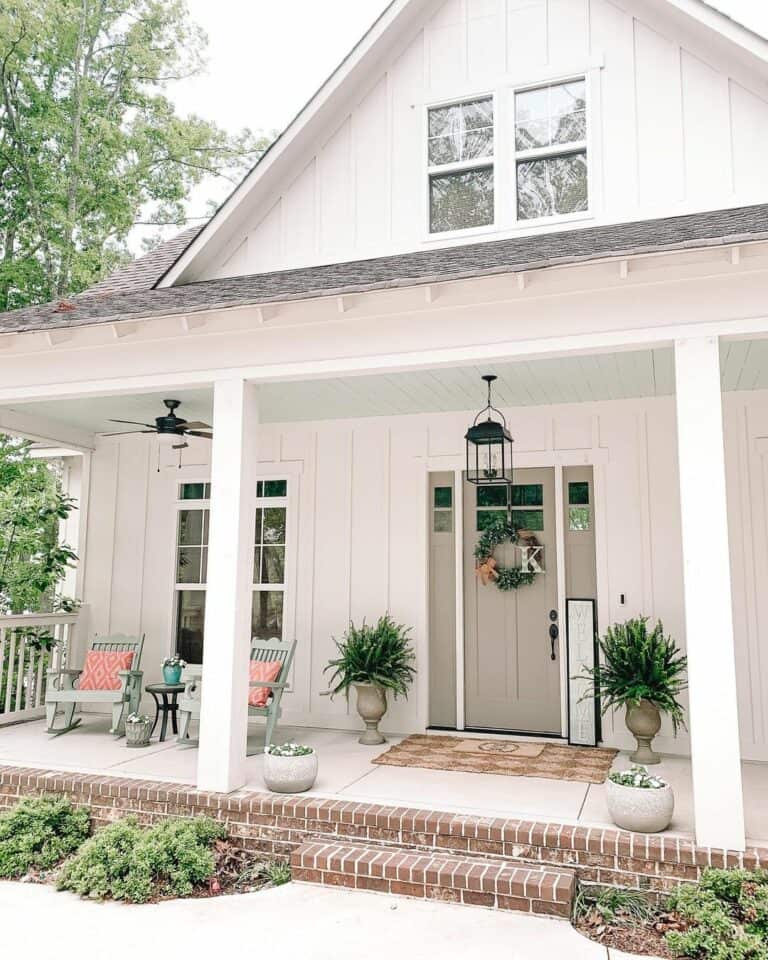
<point x="675" y="126"/>
<point x="361" y="510"/>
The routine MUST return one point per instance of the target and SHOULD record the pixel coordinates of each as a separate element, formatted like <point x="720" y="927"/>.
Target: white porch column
<point x="714" y="723"/>
<point x="224" y="708"/>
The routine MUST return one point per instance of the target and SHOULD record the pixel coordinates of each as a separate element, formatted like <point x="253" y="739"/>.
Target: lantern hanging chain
<point x="489" y="407"/>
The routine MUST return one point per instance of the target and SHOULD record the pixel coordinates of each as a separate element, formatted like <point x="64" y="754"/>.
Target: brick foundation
<point x="279" y="825"/>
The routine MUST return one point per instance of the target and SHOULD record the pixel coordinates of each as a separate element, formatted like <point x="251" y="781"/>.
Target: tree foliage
<point x="90" y="142"/>
<point x="32" y="505"/>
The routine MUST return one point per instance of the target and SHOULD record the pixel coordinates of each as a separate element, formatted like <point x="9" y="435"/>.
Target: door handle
<point x="554" y="633"/>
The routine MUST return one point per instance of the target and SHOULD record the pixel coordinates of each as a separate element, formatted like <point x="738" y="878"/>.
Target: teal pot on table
<point x="172" y="674"/>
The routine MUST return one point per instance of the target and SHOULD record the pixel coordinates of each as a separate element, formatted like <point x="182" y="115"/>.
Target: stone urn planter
<point x="138" y="731"/>
<point x="642" y="809"/>
<point x="643" y="722"/>
<point x="288" y="771"/>
<point x="371" y="705"/>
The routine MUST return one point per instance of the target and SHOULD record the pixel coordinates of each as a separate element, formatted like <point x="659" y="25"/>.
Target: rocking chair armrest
<point x="271" y="684"/>
<point x="63" y="671"/>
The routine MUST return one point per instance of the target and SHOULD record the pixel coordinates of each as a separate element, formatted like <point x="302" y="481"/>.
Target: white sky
<point x="267" y="58"/>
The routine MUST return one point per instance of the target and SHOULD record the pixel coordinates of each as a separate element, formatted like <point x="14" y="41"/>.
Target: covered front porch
<point x="351" y="462"/>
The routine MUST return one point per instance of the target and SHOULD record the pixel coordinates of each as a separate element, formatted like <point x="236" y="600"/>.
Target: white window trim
<point x="288" y="587"/>
<point x="504" y="157"/>
<point x="586" y="146"/>
<point x="476" y="163"/>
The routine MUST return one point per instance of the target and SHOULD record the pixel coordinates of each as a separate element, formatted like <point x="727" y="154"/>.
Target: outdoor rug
<point x="511" y="758"/>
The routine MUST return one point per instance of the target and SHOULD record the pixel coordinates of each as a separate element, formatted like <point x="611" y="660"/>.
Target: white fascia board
<point x="41" y="429"/>
<point x="394" y="13"/>
<point x="709" y="16"/>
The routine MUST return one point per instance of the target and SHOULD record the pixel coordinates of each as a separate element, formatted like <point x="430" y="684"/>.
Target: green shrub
<point x="39" y="832"/>
<point x="127" y="862"/>
<point x="728" y="916"/>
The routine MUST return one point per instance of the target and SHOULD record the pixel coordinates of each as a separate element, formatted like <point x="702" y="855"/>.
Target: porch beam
<point x="224" y="707"/>
<point x="713" y="701"/>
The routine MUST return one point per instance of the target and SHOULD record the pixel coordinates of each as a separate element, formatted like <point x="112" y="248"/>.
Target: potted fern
<point x="374" y="660"/>
<point x="643" y="671"/>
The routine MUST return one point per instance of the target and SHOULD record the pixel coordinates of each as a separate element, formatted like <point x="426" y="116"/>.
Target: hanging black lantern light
<point x="489" y="445"/>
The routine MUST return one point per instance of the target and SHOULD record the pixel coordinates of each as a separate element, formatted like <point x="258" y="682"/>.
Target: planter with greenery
<point x="638" y="801"/>
<point x="289" y="768"/>
<point x="138" y="729"/>
<point x="172" y="667"/>
<point x="642" y="671"/>
<point x="374" y="660"/>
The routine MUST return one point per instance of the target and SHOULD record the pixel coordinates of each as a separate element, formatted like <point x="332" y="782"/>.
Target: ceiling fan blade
<point x="134" y="423"/>
<point x="197" y="425"/>
<point x="126" y="433"/>
<point x="198" y="433"/>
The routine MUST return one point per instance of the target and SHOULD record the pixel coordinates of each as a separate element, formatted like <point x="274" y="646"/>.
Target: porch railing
<point x="30" y="646"/>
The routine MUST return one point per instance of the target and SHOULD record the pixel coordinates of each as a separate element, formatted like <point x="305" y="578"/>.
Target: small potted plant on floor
<point x="172" y="667"/>
<point x="290" y="768"/>
<point x="642" y="671"/>
<point x="639" y="802"/>
<point x="138" y="727"/>
<point x="373" y="659"/>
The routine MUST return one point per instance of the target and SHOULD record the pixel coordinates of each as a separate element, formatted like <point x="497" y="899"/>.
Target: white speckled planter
<point x="641" y="809"/>
<point x="290" y="774"/>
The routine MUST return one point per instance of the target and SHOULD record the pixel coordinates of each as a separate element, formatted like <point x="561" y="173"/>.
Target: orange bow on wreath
<point x="487" y="571"/>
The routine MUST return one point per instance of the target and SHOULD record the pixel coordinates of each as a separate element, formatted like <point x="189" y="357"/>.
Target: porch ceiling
<point x="577" y="379"/>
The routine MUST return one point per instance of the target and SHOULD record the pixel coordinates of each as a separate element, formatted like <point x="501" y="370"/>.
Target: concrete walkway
<point x="293" y="921"/>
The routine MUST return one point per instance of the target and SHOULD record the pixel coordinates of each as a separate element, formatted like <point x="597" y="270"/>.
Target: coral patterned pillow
<point x="101" y="669"/>
<point x="267" y="670"/>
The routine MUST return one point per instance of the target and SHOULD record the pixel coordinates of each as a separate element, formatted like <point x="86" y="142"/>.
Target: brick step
<point x="459" y="879"/>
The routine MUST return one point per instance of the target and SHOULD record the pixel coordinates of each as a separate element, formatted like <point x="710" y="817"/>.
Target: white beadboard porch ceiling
<point x="610" y="376"/>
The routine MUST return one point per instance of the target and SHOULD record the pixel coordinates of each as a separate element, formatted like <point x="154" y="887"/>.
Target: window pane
<point x="552" y="185"/>
<point x="273" y="530"/>
<point x="267" y="614"/>
<point x="462" y="131"/>
<point x="569" y="128"/>
<point x="273" y="564"/>
<point x="443" y="496"/>
<point x="532" y="133"/>
<point x="550" y="115"/>
<point x="566" y="98"/>
<point x="486" y="518"/>
<point x="204" y="566"/>
<point x="528" y="495"/>
<point x="191" y="527"/>
<point x="188" y="568"/>
<point x="578" y="492"/>
<point x="492" y="496"/>
<point x="190" y="619"/>
<point x="528" y="519"/>
<point x="461" y="200"/>
<point x="443" y="521"/>
<point x="578" y="518"/>
<point x="194" y="491"/>
<point x="272" y="488"/>
<point x="257" y="565"/>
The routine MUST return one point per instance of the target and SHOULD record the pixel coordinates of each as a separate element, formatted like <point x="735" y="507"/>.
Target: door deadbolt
<point x="553" y="615"/>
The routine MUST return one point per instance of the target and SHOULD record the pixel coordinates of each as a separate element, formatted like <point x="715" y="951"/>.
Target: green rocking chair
<point x="265" y="650"/>
<point x="63" y="696"/>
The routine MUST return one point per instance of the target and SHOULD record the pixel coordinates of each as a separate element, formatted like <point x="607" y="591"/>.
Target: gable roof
<point x="370" y="48"/>
<point x="738" y="225"/>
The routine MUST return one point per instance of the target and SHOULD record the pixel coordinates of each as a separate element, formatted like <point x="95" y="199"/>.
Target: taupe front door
<point x="511" y="681"/>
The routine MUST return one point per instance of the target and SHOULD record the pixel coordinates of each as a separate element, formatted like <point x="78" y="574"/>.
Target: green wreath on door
<point x="488" y="568"/>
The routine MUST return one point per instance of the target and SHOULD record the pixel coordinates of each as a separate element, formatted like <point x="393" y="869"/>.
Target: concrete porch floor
<point x="346" y="772"/>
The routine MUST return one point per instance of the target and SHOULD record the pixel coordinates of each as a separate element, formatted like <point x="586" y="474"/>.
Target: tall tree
<point x="90" y="142"/>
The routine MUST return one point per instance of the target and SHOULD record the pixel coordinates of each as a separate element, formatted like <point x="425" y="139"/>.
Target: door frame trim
<point x="595" y="458"/>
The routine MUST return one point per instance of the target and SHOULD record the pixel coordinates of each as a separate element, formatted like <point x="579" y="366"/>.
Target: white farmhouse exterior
<point x="569" y="194"/>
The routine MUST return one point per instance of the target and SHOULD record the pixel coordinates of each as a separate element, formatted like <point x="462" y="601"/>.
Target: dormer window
<point x="551" y="150"/>
<point x="460" y="162"/>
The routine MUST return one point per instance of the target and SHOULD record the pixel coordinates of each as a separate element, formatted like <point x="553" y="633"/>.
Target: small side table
<point x="165" y="696"/>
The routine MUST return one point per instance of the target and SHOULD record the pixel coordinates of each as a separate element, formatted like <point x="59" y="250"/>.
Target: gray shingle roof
<point x="144" y="272"/>
<point x="738" y="225"/>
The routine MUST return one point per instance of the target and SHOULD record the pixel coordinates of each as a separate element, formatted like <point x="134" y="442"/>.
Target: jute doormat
<point x="511" y="758"/>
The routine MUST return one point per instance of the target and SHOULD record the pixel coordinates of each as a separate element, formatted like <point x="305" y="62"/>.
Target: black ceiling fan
<point x="168" y="425"/>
